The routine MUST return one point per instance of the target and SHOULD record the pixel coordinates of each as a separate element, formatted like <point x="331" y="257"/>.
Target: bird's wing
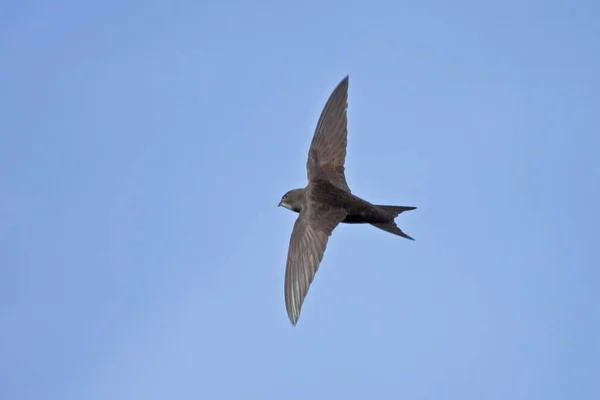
<point x="307" y="245"/>
<point x="327" y="151"/>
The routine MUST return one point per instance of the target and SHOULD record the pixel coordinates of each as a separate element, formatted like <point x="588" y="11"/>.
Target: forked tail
<point x="390" y="226"/>
<point x="394" y="211"/>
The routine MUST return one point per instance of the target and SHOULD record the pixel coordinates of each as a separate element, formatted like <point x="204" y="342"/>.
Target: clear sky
<point x="145" y="145"/>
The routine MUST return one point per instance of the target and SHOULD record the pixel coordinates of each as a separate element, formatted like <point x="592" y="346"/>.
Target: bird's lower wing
<point x="307" y="245"/>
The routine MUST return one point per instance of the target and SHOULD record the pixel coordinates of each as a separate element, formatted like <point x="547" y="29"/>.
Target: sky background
<point x="145" y="145"/>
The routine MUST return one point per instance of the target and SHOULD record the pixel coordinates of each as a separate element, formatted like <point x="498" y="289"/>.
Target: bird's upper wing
<point x="307" y="245"/>
<point x="328" y="148"/>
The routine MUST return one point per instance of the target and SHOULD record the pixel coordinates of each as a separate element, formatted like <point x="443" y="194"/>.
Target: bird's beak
<point x="279" y="205"/>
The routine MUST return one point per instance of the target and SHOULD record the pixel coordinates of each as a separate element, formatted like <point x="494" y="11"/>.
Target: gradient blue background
<point x="144" y="147"/>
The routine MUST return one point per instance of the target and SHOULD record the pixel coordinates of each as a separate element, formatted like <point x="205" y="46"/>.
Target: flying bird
<point x="325" y="202"/>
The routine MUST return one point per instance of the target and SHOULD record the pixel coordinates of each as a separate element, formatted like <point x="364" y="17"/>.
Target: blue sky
<point x="144" y="147"/>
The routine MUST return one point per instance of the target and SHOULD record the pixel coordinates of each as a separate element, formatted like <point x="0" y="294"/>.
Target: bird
<point x="325" y="202"/>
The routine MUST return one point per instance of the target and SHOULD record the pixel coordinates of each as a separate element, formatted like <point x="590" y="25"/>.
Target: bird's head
<point x="293" y="200"/>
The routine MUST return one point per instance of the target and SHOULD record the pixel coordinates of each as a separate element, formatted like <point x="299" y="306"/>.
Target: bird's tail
<point x="390" y="226"/>
<point x="394" y="211"/>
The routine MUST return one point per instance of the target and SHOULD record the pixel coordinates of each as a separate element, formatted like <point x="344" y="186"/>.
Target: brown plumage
<point x="325" y="202"/>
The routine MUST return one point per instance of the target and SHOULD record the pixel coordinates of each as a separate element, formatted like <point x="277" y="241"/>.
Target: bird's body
<point x="323" y="194"/>
<point x="325" y="202"/>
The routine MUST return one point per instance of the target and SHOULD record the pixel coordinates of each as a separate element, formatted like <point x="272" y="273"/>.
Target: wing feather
<point x="327" y="152"/>
<point x="307" y="245"/>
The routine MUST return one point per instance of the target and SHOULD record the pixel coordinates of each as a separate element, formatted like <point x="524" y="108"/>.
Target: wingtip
<point x="293" y="314"/>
